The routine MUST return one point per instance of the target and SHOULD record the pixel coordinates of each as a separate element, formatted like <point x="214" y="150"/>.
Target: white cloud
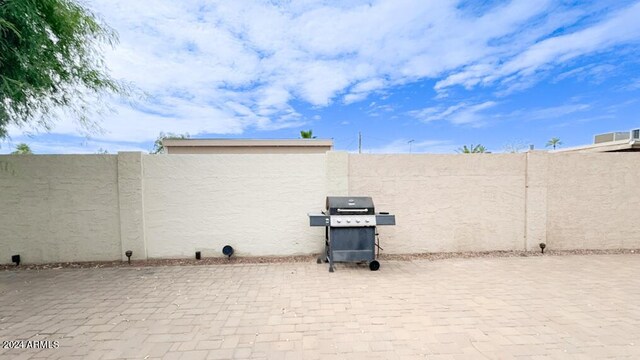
<point x="634" y="84"/>
<point x="375" y="110"/>
<point x="225" y="66"/>
<point x="619" y="28"/>
<point x="475" y="115"/>
<point x="595" y="73"/>
<point x="555" y="112"/>
<point x="362" y="89"/>
<point x="459" y="114"/>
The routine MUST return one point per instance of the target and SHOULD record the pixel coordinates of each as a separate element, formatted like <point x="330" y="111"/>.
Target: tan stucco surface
<point x="593" y="201"/>
<point x="59" y="208"/>
<point x="94" y="207"/>
<point x="537" y="172"/>
<point x="247" y="150"/>
<point x="445" y="202"/>
<point x="256" y="203"/>
<point x="247" y="146"/>
<point x="130" y="191"/>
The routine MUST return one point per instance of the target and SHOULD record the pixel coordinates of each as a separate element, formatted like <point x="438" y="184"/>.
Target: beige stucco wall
<point x="256" y="203"/>
<point x="593" y="200"/>
<point x="337" y="173"/>
<point x="131" y="205"/>
<point x="59" y="208"/>
<point x="445" y="202"/>
<point x="537" y="172"/>
<point x="247" y="149"/>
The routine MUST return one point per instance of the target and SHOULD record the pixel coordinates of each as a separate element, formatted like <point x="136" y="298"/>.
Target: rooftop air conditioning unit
<point x="635" y="134"/>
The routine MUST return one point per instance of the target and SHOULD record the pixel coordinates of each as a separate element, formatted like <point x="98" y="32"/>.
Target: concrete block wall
<point x="535" y="212"/>
<point x="59" y="208"/>
<point x="483" y="202"/>
<point x="257" y="203"/>
<point x="131" y="205"/>
<point x="445" y="203"/>
<point x="593" y="201"/>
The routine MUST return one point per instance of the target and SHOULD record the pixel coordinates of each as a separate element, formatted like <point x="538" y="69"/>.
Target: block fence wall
<point x="61" y="208"/>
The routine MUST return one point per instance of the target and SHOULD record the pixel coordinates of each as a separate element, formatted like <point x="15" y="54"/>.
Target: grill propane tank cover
<point x="350" y="235"/>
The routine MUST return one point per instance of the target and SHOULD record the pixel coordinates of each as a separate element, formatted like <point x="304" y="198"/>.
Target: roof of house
<point x="249" y="142"/>
<point x="609" y="146"/>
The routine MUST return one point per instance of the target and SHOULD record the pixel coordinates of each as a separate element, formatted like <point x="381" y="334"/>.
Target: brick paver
<point x="497" y="308"/>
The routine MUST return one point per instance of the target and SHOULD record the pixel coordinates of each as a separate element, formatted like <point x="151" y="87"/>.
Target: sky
<point x="419" y="76"/>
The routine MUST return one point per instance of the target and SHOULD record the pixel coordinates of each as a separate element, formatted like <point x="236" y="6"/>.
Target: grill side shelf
<point x="385" y="219"/>
<point x="318" y="220"/>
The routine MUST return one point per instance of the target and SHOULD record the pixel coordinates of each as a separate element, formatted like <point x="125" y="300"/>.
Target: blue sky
<point x="441" y="73"/>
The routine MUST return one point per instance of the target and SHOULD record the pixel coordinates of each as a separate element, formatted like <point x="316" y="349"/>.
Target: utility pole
<point x="359" y="142"/>
<point x="410" y="143"/>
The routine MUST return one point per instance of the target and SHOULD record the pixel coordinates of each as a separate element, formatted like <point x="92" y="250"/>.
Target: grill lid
<point x="350" y="205"/>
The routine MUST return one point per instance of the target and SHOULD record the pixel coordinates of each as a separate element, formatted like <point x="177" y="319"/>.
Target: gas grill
<point x="350" y="234"/>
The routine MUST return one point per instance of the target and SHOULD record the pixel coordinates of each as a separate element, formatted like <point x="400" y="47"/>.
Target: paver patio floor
<point x="497" y="308"/>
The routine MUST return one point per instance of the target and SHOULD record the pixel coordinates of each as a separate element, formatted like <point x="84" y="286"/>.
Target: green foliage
<point x="50" y="60"/>
<point x="158" y="147"/>
<point x="307" y="134"/>
<point x="22" y="149"/>
<point x="472" y="149"/>
<point x="555" y="142"/>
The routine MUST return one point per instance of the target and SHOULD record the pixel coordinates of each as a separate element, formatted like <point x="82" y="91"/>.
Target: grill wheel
<point x="374" y="265"/>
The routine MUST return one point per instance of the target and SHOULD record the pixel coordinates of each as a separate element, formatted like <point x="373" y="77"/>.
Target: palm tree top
<point x="22" y="149"/>
<point x="472" y="149"/>
<point x="307" y="134"/>
<point x="554" y="142"/>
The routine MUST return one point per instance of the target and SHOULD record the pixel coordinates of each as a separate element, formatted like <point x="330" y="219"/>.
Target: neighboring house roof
<point x="256" y="146"/>
<point x="618" y="141"/>
<point x="610" y="146"/>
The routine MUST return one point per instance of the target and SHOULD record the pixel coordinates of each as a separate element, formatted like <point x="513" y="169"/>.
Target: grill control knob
<point x="366" y="220"/>
<point x="338" y="221"/>
<point x="348" y="221"/>
<point x="358" y="221"/>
